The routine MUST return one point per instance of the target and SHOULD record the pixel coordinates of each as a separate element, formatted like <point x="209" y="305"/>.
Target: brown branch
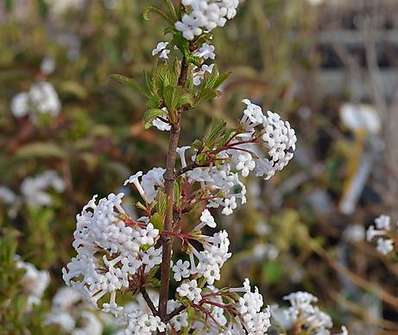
<point x="149" y="301"/>
<point x="176" y="312"/>
<point x="170" y="177"/>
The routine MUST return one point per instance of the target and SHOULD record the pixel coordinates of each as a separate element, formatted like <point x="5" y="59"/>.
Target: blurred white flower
<point x="47" y="65"/>
<point x="20" y="105"/>
<point x="7" y="196"/>
<point x="41" y="99"/>
<point x="34" y="282"/>
<point x="60" y="7"/>
<point x="354" y="233"/>
<point x="360" y="117"/>
<point x="34" y="189"/>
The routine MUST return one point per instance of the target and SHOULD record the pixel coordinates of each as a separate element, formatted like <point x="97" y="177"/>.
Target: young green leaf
<point x="171" y="10"/>
<point x="215" y="134"/>
<point x="152" y="9"/>
<point x="129" y="82"/>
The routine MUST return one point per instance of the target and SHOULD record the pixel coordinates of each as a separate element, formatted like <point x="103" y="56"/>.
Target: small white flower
<point x="151" y="181"/>
<point x="181" y="270"/>
<point x="207" y="219"/>
<point x="34" y="282"/>
<point x="206" y="51"/>
<point x="161" y="50"/>
<point x="134" y="179"/>
<point x="383" y="222"/>
<point x="161" y="125"/>
<point x="385" y="246"/>
<point x="190" y="290"/>
<point x="252" y="115"/>
<point x="245" y="163"/>
<point x="198" y="76"/>
<point x="152" y="257"/>
<point x="229" y="206"/>
<point x="181" y="153"/>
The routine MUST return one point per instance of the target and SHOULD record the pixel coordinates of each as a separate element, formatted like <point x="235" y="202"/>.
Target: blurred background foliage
<point x="292" y="235"/>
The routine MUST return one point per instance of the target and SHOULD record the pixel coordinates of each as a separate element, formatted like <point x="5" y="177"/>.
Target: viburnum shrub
<point x="118" y="254"/>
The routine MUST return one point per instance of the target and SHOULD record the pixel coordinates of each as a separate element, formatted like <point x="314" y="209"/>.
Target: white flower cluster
<point x="225" y="182"/>
<point x="256" y="321"/>
<point x="110" y="249"/>
<point x="40" y="99"/>
<point x="205" y="263"/>
<point x="303" y="312"/>
<point x="34" y="189"/>
<point x="205" y="52"/>
<point x="247" y="315"/>
<point x="205" y="15"/>
<point x="381" y="231"/>
<point x="34" y="282"/>
<point x="243" y="156"/>
<point x="137" y="318"/>
<point x="201" y="272"/>
<point x="272" y="132"/>
<point x="70" y="312"/>
<point x="141" y="323"/>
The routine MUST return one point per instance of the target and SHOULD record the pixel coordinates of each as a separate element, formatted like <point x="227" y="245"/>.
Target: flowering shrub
<point x="117" y="253"/>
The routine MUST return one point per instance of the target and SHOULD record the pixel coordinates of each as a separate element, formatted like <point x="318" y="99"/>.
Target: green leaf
<point x="171" y="10"/>
<point x="129" y="82"/>
<point x="151" y="115"/>
<point x="186" y="99"/>
<point x="161" y="204"/>
<point x="149" y="85"/>
<point x="215" y="133"/>
<point x="182" y="44"/>
<point x="153" y="102"/>
<point x="198" y="145"/>
<point x="210" y="85"/>
<point x="41" y="150"/>
<point x="205" y="94"/>
<point x="177" y="194"/>
<point x="152" y="9"/>
<point x="272" y="272"/>
<point x="157" y="221"/>
<point x="221" y="78"/>
<point x="171" y="97"/>
<point x="164" y="75"/>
